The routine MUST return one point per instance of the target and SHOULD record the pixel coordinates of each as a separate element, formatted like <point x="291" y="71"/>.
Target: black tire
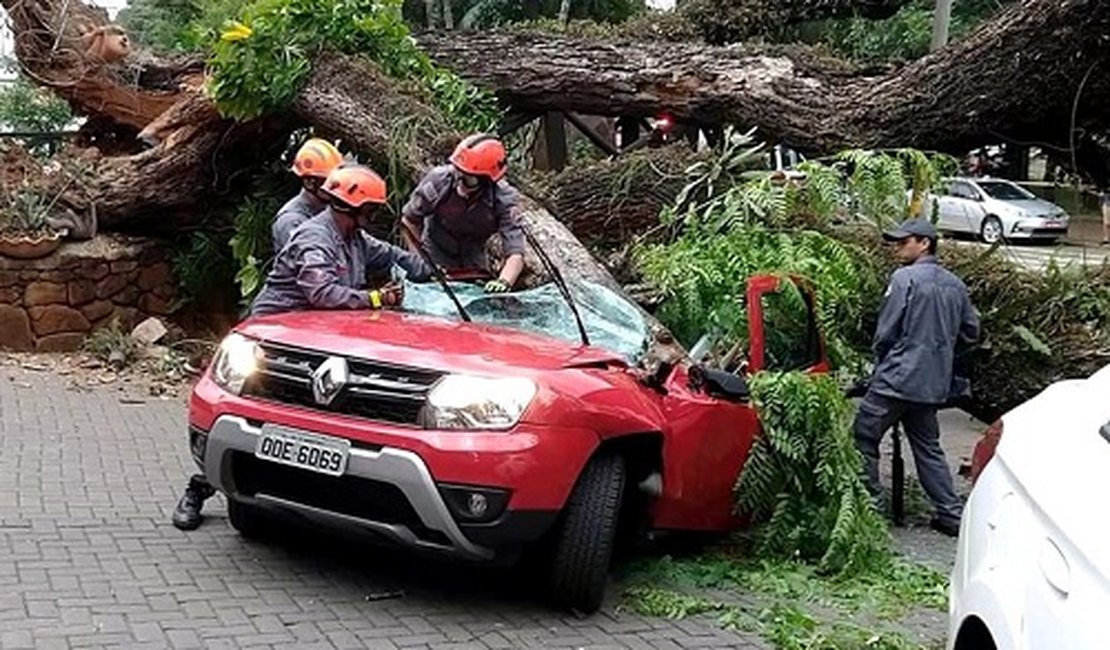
<point x="583" y="541"/>
<point x="248" y="520"/>
<point x="987" y="229"/>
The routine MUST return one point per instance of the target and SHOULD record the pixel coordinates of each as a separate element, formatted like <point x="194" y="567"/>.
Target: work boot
<point x="186" y="516"/>
<point x="945" y="526"/>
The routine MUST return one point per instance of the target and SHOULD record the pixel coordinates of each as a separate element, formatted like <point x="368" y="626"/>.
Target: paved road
<point x="1036" y="257"/>
<point x="88" y="557"/>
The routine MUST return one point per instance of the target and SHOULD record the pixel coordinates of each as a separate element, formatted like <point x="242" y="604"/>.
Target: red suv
<point x="526" y="423"/>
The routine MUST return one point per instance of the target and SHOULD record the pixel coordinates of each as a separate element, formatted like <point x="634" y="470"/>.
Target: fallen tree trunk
<point x="989" y="87"/>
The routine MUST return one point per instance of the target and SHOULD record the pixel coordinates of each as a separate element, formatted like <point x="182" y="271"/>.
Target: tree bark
<point x="50" y="49"/>
<point x="192" y="168"/>
<point x="989" y="87"/>
<point x="564" y="12"/>
<point x="448" y="15"/>
<point x="431" y="11"/>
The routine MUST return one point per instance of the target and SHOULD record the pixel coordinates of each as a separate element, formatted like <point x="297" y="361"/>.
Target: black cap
<point x="912" y="228"/>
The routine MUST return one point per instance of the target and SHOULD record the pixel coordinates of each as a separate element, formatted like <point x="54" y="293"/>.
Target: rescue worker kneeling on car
<point x="324" y="266"/>
<point x="457" y="207"/>
<point x="314" y="161"/>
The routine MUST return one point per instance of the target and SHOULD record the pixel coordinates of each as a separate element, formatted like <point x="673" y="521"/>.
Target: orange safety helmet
<point x="316" y="157"/>
<point x="355" y="186"/>
<point x="481" y="155"/>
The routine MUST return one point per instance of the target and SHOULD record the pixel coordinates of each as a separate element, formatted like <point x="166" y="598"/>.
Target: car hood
<point x="1053" y="449"/>
<point x="423" y="341"/>
<point x="1036" y="207"/>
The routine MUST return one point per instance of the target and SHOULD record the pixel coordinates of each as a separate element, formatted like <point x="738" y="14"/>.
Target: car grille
<point x="349" y="495"/>
<point x="374" y="391"/>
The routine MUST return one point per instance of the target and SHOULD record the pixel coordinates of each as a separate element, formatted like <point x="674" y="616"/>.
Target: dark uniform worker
<point x="324" y="266"/>
<point x="325" y="263"/>
<point x="314" y="161"/>
<point x="926" y="320"/>
<point x="457" y="207"/>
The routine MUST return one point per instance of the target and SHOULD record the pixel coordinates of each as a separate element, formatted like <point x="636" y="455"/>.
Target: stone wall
<point x="51" y="304"/>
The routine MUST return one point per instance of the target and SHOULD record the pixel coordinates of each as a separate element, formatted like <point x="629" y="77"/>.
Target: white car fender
<point x="979" y="602"/>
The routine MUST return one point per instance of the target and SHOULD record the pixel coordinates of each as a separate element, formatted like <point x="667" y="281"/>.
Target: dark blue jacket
<point x="926" y="319"/>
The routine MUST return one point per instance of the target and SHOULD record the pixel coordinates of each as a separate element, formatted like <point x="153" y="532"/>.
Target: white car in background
<point x="994" y="209"/>
<point x="1033" y="563"/>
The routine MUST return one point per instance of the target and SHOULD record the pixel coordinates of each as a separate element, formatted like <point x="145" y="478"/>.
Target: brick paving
<point x="88" y="558"/>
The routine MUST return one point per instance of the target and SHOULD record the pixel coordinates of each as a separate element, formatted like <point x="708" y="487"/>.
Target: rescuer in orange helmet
<point x="314" y="161"/>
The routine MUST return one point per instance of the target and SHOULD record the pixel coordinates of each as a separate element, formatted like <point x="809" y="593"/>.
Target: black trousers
<point x="876" y="415"/>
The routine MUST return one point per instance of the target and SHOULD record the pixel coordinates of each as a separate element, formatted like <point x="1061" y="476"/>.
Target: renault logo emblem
<point x="328" y="380"/>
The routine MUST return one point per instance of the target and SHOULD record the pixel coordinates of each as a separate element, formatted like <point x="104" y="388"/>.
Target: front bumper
<point x="370" y="497"/>
<point x="1037" y="230"/>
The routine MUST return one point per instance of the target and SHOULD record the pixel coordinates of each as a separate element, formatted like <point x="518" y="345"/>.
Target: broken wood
<point x="54" y="44"/>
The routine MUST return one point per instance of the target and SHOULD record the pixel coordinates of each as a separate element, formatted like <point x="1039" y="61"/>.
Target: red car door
<point x="709" y="435"/>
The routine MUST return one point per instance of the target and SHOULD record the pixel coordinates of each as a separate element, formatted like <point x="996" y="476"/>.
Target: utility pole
<point x="942" y="18"/>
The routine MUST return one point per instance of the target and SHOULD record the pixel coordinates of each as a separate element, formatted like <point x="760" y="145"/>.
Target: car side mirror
<point x="718" y="383"/>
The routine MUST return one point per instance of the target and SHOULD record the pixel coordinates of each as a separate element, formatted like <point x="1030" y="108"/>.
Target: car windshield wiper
<point x="557" y="278"/>
<point x="436" y="272"/>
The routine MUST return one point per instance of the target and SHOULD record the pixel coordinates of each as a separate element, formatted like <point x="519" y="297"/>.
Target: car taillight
<point x="984" y="449"/>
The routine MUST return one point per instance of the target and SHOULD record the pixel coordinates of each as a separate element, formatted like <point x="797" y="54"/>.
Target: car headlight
<point x="235" y="362"/>
<point x="466" y="402"/>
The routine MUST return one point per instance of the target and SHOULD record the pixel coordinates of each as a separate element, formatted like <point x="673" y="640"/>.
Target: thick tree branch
<point x="52" y="49"/>
<point x="1017" y="77"/>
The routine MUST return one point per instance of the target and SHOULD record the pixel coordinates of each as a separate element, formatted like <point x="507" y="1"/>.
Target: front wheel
<point x="579" y="567"/>
<point x="248" y="520"/>
<point x="991" y="230"/>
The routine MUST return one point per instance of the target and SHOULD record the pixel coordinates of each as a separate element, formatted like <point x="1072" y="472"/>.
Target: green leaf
<point x="1032" y="340"/>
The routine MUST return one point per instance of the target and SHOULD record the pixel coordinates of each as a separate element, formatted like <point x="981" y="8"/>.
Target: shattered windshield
<point x="611" y="321"/>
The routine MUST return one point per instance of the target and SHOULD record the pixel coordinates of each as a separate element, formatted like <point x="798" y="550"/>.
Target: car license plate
<point x="316" y="453"/>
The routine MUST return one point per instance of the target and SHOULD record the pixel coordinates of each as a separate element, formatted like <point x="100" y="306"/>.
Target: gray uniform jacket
<point x="320" y="269"/>
<point x="296" y="211"/>
<point x="456" y="228"/>
<point x="926" y="319"/>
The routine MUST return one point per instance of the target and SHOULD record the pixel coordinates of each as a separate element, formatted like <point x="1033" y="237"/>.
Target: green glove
<point x="496" y="286"/>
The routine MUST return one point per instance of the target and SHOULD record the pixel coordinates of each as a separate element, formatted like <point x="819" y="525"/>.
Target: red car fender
<point x="705" y="445"/>
<point x="984" y="449"/>
<point x="611" y="402"/>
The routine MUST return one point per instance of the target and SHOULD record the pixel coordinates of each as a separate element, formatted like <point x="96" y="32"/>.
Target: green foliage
<point x="261" y="61"/>
<point x="708" y="177"/>
<point x="201" y="263"/>
<point x="484" y="14"/>
<point x="25" y="209"/>
<point x="802" y="476"/>
<point x="252" y="243"/>
<point x="768" y="224"/>
<point x="904" y="36"/>
<point x="790" y="603"/>
<point x="1037" y="327"/>
<point x="113" y="345"/>
<point x="161" y="25"/>
<point x="26" y="107"/>
<point x="704" y="273"/>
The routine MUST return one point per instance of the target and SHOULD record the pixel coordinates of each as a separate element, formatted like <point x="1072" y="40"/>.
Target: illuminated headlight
<point x="235" y="362"/>
<point x="465" y="402"/>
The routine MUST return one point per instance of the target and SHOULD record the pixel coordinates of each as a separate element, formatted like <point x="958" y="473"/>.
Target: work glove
<point x="497" y="286"/>
<point x="389" y="296"/>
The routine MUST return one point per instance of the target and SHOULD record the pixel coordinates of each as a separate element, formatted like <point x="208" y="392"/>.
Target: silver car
<point x="995" y="209"/>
